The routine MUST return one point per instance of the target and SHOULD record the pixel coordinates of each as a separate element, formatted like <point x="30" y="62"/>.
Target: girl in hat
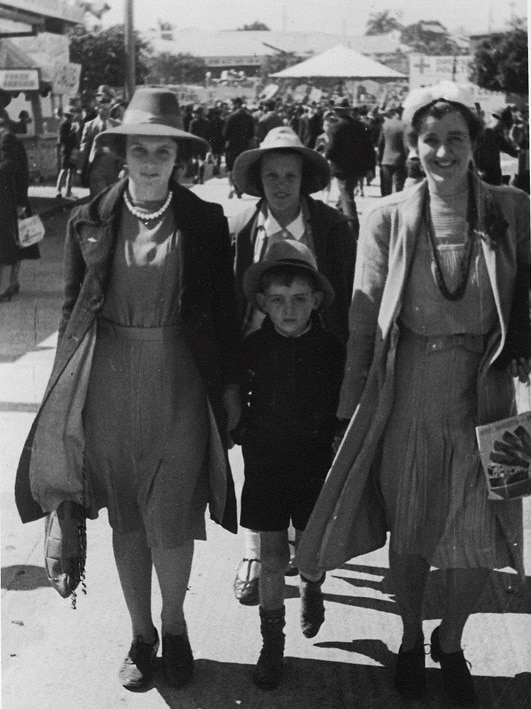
<point x="439" y="329"/>
<point x="283" y="173"/>
<point x="148" y="351"/>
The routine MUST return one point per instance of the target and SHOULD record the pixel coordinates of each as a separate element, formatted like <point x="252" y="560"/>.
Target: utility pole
<point x="129" y="39"/>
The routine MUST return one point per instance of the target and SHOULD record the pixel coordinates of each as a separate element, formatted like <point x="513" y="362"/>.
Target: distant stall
<point x="341" y="71"/>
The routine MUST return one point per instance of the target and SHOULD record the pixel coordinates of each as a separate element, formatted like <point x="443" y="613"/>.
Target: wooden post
<point x="129" y="37"/>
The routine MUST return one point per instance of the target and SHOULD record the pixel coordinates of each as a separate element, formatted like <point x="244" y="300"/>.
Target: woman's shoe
<point x="410" y="673"/>
<point x="177" y="660"/>
<point x="246" y="588"/>
<point x="138" y="668"/>
<point x="457" y="680"/>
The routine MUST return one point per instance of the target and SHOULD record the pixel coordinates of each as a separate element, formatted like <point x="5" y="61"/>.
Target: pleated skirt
<point x="430" y="472"/>
<point x="146" y="433"/>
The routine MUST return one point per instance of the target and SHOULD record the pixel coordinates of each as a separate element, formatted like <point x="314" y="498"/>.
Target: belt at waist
<point x="107" y="327"/>
<point x="436" y="343"/>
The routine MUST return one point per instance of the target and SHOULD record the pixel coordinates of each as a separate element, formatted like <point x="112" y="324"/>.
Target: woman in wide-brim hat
<point x="147" y="349"/>
<point x="283" y="173"/>
<point x="439" y="330"/>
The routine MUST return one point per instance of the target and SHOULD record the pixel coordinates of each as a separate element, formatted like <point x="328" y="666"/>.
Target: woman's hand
<point x="232" y="406"/>
<point x="520" y="368"/>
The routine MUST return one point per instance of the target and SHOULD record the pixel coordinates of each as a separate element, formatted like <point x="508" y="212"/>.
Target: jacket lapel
<point x="407" y="219"/>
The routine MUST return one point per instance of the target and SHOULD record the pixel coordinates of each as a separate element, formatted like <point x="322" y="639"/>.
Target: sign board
<point x="425" y="70"/>
<point x="65" y="78"/>
<point x="19" y="79"/>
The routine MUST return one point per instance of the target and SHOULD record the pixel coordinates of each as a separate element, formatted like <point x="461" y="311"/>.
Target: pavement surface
<point x="54" y="657"/>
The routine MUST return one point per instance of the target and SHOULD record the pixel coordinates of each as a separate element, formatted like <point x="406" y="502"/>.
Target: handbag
<point x="505" y="450"/>
<point x="65" y="549"/>
<point x="30" y="231"/>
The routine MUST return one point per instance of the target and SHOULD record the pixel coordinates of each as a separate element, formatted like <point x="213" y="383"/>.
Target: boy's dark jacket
<point x="291" y="384"/>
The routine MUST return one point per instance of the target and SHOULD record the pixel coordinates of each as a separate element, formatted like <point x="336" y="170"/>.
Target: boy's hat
<point x="287" y="252"/>
<point x="315" y="170"/>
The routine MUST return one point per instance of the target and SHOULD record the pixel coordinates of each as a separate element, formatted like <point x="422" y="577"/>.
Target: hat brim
<point x="245" y="171"/>
<point x="150" y="129"/>
<point x="252" y="276"/>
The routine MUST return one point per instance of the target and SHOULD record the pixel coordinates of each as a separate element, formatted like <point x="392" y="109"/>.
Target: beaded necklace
<point x="466" y="259"/>
<point x="146" y="216"/>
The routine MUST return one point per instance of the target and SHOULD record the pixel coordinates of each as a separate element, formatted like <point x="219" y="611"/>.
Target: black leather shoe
<point x="138" y="668"/>
<point x="457" y="680"/>
<point x="177" y="660"/>
<point x="410" y="673"/>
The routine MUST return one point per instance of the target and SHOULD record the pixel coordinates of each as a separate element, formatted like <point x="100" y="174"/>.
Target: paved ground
<point x="54" y="657"/>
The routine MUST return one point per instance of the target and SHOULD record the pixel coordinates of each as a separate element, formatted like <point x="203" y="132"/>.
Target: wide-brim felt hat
<point x="288" y="252"/>
<point x="152" y="112"/>
<point x="246" y="168"/>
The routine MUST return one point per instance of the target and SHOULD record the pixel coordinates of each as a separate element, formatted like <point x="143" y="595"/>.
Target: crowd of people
<point x="350" y="362"/>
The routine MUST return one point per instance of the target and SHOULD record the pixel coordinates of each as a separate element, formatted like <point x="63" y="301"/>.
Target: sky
<point x="335" y="16"/>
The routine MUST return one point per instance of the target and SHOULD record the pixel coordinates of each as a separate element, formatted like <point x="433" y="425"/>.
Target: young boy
<point x="294" y="369"/>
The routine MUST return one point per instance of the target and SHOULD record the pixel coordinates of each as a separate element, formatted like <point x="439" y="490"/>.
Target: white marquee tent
<point x="339" y="63"/>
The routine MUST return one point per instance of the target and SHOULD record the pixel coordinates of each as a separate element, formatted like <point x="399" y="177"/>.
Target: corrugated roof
<point x="341" y="63"/>
<point x="233" y="43"/>
<point x="212" y="44"/>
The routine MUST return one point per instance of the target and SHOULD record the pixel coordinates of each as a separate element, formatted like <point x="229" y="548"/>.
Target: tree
<point x="254" y="27"/>
<point x="430" y="38"/>
<point x="101" y="54"/>
<point x="382" y="23"/>
<point x="501" y="62"/>
<point x="278" y="62"/>
<point x="182" y="68"/>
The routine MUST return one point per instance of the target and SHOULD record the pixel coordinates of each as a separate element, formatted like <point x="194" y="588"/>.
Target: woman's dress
<point x="145" y="417"/>
<point x="430" y="472"/>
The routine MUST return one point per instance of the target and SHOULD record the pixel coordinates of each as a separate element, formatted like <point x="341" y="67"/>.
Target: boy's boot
<point x="268" y="671"/>
<point x="312" y="606"/>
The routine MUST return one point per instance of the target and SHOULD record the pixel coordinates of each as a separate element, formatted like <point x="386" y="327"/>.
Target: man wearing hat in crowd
<point x="200" y="126"/>
<point x="238" y="133"/>
<point x="351" y="155"/>
<point x="292" y="368"/>
<point x="283" y="173"/>
<point x="492" y="142"/>
<point x="98" y="165"/>
<point x="392" y="152"/>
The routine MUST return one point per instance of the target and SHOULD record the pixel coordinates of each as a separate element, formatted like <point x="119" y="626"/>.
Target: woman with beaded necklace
<point x="149" y="314"/>
<point x="439" y="328"/>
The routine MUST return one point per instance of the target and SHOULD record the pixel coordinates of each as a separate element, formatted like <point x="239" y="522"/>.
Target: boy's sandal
<point x="246" y="589"/>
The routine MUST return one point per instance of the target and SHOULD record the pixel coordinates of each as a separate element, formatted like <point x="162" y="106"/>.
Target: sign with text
<point x="19" y="79"/>
<point x="425" y="70"/>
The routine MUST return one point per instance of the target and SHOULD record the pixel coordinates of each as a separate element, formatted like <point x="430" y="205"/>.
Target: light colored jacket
<point x="348" y="519"/>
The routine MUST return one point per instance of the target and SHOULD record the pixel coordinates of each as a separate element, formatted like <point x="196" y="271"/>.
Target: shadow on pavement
<point x="23" y="578"/>
<point x="505" y="592"/>
<point x="317" y="684"/>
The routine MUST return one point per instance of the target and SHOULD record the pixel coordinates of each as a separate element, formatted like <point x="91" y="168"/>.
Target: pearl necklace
<point x="147" y="216"/>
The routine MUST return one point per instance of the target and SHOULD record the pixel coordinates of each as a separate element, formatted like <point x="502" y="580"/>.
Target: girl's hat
<point x="287" y="252"/>
<point x="152" y="112"/>
<point x="427" y="95"/>
<point x="246" y="173"/>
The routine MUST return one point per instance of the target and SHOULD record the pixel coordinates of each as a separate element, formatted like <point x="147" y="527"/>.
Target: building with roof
<point x="35" y="73"/>
<point x="248" y="50"/>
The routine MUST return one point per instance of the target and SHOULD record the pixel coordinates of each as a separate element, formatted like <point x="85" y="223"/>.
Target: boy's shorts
<point x="283" y="480"/>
